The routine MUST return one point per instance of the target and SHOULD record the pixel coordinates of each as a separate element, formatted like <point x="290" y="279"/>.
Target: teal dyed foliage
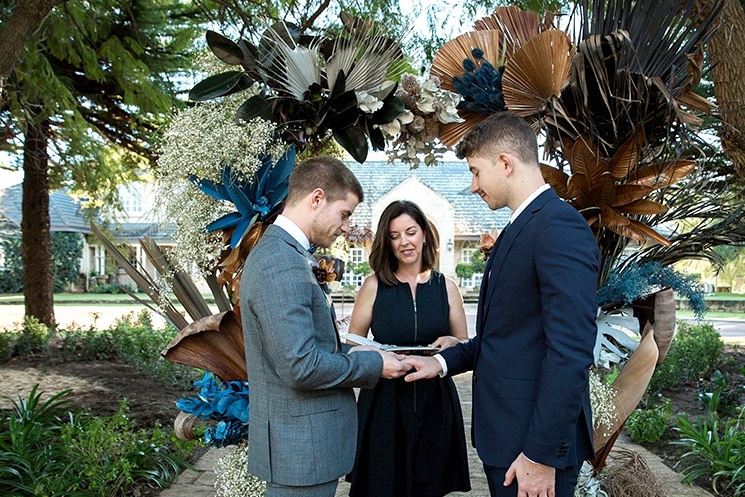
<point x="224" y="402"/>
<point x="635" y="282"/>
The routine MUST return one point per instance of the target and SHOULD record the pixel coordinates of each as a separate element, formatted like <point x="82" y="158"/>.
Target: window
<point x="473" y="282"/>
<point x="356" y="255"/>
<point x="466" y="254"/>
<point x="352" y="279"/>
<point x="131" y="196"/>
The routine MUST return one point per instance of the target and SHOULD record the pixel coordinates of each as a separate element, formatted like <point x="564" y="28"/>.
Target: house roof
<point x="133" y="232"/>
<point x="65" y="213"/>
<point x="451" y="180"/>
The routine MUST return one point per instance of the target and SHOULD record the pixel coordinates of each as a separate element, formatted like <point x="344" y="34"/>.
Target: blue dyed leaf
<point x="227" y="221"/>
<point x="241" y="229"/>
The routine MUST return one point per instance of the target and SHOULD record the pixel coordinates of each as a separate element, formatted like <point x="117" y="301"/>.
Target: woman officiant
<point x="411" y="441"/>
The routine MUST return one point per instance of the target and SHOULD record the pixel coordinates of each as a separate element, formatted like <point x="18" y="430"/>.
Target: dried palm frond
<point x="365" y="58"/>
<point x="537" y="72"/>
<point x="628" y="475"/>
<point x="448" y="61"/>
<point x="516" y="25"/>
<point x="295" y="67"/>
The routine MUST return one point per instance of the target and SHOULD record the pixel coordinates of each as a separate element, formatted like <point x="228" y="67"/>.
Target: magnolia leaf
<point x="662" y="175"/>
<point x="626" y="158"/>
<point x="610" y="218"/>
<point x="354" y="141"/>
<point x="256" y="106"/>
<point x="250" y="60"/>
<point x="392" y="108"/>
<point x="642" y="207"/>
<point x="558" y="179"/>
<point x="377" y="139"/>
<point x="343" y="111"/>
<point x="625" y="194"/>
<point x="584" y="157"/>
<point x="220" y="85"/>
<point x="224" y="48"/>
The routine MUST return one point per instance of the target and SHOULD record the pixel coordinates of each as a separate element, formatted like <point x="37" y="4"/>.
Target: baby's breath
<point x="601" y="401"/>
<point x="231" y="477"/>
<point x="200" y="142"/>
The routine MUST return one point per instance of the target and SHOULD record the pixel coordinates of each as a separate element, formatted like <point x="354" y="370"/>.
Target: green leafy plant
<point x="695" y="350"/>
<point x="716" y="449"/>
<point x="719" y="399"/>
<point x="649" y="424"/>
<point x="46" y="449"/>
<point x="87" y="344"/>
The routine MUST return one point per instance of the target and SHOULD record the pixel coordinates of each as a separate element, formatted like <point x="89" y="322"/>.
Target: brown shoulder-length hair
<point x="382" y="259"/>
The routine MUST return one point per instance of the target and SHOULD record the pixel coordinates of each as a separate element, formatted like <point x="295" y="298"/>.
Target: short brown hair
<point x="382" y="259"/>
<point x="500" y="132"/>
<point x="324" y="172"/>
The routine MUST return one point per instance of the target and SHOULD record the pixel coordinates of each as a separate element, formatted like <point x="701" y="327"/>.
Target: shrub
<point x="695" y="350"/>
<point x="33" y="338"/>
<point x="87" y="344"/>
<point x="648" y="425"/>
<point x="138" y="343"/>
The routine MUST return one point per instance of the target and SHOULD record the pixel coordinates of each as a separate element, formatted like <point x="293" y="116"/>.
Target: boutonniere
<point x="324" y="271"/>
<point x="486" y="244"/>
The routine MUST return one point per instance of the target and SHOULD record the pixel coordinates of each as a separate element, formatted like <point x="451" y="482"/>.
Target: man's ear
<point x="317" y="197"/>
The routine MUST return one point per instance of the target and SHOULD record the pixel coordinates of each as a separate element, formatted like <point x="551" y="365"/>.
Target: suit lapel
<point x="287" y="238"/>
<point x="502" y="248"/>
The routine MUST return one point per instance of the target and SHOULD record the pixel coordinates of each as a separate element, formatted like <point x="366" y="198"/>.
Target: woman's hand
<point x="446" y="341"/>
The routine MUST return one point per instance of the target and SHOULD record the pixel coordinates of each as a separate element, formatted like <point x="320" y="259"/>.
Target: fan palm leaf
<point x="516" y="25"/>
<point x="537" y="72"/>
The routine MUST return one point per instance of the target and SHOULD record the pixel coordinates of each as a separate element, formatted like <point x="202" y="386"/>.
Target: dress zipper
<point x="416" y="330"/>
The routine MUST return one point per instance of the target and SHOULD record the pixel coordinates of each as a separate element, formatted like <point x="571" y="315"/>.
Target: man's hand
<point x="426" y="367"/>
<point x="533" y="479"/>
<point x="393" y="366"/>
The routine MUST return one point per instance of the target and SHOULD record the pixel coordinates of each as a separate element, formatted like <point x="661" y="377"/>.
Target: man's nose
<point x="474" y="186"/>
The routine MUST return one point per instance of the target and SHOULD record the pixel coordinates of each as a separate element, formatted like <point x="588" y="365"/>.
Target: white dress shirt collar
<point x="528" y="200"/>
<point x="293" y="229"/>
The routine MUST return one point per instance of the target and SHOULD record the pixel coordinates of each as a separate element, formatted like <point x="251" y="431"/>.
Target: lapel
<point x="287" y="238"/>
<point x="498" y="255"/>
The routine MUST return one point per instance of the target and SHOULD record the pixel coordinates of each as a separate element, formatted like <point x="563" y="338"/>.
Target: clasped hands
<point x="397" y="365"/>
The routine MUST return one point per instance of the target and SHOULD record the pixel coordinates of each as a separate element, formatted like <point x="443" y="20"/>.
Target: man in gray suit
<point x="303" y="416"/>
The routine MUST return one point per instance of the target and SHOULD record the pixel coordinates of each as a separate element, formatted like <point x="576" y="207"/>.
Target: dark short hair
<point x="500" y="132"/>
<point x="382" y="259"/>
<point x="328" y="173"/>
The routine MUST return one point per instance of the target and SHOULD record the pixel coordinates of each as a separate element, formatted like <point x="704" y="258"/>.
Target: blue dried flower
<point x="636" y="282"/>
<point x="480" y="85"/>
<point x="257" y="199"/>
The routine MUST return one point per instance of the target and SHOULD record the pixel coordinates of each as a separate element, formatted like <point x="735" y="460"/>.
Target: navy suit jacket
<point x="534" y="343"/>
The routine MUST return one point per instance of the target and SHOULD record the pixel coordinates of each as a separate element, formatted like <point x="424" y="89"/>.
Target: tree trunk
<point x="21" y="24"/>
<point x="36" y="252"/>
<point x="727" y="54"/>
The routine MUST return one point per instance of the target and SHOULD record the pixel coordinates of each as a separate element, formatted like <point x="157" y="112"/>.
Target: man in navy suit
<point x="535" y="330"/>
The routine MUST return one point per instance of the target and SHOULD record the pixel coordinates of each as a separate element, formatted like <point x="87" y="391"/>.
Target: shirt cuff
<point x="443" y="365"/>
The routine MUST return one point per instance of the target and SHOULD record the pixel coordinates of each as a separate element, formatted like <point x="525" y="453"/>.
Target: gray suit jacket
<point x="303" y="415"/>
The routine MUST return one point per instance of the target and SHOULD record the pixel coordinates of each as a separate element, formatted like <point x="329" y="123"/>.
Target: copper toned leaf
<point x="537" y="72"/>
<point x="641" y="207"/>
<point x="662" y="175"/>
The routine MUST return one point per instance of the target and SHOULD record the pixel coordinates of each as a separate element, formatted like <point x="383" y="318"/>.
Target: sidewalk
<point x="200" y="481"/>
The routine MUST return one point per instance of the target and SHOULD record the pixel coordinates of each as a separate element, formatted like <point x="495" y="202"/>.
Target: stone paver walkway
<point x="200" y="482"/>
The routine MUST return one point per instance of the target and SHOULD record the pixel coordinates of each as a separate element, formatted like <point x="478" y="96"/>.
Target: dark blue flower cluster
<point x="224" y="402"/>
<point x="257" y="199"/>
<point x="480" y="85"/>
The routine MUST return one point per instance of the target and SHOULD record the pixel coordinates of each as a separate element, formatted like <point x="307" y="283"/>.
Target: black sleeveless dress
<point x="411" y="441"/>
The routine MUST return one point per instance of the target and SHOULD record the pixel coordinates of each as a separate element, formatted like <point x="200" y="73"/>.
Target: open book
<point x="401" y="349"/>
